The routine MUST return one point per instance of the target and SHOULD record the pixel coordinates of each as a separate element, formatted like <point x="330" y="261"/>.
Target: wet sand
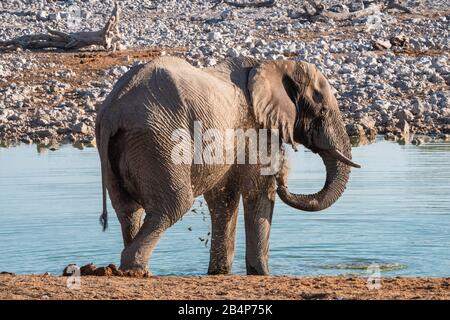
<point x="222" y="287"/>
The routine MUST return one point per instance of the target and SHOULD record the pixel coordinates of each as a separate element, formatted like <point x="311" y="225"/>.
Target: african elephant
<point x="134" y="128"/>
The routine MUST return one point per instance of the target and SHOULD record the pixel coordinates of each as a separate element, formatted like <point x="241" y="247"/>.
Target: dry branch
<point x="261" y="4"/>
<point x="319" y="11"/>
<point x="107" y="37"/>
<point x="391" y="4"/>
<point x="347" y="15"/>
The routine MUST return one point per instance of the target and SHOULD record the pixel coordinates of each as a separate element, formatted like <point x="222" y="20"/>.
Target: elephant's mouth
<point x="337" y="166"/>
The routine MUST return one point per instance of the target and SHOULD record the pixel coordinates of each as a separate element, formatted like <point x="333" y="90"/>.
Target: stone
<point x="367" y="122"/>
<point x="46" y="133"/>
<point x="404" y="128"/>
<point x="390" y="136"/>
<point x="233" y="52"/>
<point x="210" y="61"/>
<point x="80" y="127"/>
<point x="380" y="104"/>
<point x="381" y="45"/>
<point x="354" y="130"/>
<point x="228" y="14"/>
<point x="55" y="16"/>
<point x="436" y="78"/>
<point x="104" y="272"/>
<point x="214" y="36"/>
<point x="88" y="270"/>
<point x="42" y="15"/>
<point x="417" y="141"/>
<point x="399" y="40"/>
<point x="89" y="106"/>
<point x="402" y="85"/>
<point x="418" y="108"/>
<point x="286" y="29"/>
<point x="14" y="118"/>
<point x="66" y="272"/>
<point x="405" y="115"/>
<point x="249" y="41"/>
<point x="26" y="140"/>
<point x="64" y="130"/>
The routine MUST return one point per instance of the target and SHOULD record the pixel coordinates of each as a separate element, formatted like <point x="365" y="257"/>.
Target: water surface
<point x="395" y="213"/>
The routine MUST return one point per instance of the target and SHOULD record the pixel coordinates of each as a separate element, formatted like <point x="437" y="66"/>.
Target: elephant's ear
<point x="272" y="92"/>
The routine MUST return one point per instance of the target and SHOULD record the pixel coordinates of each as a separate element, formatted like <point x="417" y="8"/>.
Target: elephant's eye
<point x="317" y="96"/>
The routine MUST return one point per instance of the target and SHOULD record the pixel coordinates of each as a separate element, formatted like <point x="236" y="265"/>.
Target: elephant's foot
<point x="131" y="267"/>
<point x="135" y="271"/>
<point x="219" y="270"/>
<point x="257" y="269"/>
<point x="219" y="264"/>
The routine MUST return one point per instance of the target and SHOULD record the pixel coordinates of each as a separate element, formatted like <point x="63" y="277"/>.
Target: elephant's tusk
<point x="338" y="155"/>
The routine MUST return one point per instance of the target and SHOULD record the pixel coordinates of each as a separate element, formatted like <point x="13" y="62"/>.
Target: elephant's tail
<point x="103" y="135"/>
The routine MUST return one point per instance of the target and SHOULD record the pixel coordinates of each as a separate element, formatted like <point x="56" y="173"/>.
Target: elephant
<point x="150" y="193"/>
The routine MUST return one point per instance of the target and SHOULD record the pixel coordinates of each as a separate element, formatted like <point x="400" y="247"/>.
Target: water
<point x="395" y="213"/>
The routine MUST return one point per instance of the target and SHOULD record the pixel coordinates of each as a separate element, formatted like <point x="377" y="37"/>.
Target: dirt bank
<point x="222" y="287"/>
<point x="390" y="70"/>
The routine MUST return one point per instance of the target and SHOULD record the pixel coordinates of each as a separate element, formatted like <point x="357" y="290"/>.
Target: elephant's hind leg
<point x="129" y="212"/>
<point x="162" y="188"/>
<point x="162" y="211"/>
<point x="223" y="204"/>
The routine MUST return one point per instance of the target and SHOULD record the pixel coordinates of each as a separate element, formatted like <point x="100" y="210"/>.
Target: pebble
<point x="214" y="36"/>
<point x="80" y="127"/>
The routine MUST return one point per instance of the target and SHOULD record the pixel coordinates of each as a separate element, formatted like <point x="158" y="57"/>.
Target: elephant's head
<point x="295" y="98"/>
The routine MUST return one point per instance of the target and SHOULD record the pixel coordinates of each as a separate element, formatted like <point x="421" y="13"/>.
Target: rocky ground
<point x="390" y="70"/>
<point x="222" y="287"/>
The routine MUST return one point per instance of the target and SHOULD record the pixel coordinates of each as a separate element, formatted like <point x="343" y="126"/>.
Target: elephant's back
<point x="171" y="91"/>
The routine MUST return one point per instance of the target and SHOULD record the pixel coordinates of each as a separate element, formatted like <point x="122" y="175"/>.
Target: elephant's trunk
<point x="338" y="171"/>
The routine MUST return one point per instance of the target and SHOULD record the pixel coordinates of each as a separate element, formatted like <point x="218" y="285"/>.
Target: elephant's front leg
<point x="258" y="209"/>
<point x="223" y="204"/>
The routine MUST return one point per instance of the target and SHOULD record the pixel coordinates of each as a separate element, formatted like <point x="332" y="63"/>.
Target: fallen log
<point x="320" y="12"/>
<point x="107" y="37"/>
<point x="261" y="4"/>
<point x="340" y="16"/>
<point x="391" y="4"/>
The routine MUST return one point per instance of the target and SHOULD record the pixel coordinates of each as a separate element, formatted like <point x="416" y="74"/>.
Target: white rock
<point x="228" y="15"/>
<point x="233" y="52"/>
<point x="210" y="61"/>
<point x="249" y="41"/>
<point x="214" y="36"/>
<point x="42" y="15"/>
<point x="55" y="16"/>
<point x="418" y="107"/>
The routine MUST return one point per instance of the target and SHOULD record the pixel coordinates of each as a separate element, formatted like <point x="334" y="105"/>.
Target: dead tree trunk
<point x="106" y="37"/>
<point x="261" y="4"/>
<point x="320" y="12"/>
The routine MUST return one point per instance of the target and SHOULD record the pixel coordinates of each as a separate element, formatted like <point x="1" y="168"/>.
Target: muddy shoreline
<point x="39" y="287"/>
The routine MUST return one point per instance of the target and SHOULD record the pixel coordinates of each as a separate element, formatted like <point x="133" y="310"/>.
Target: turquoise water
<point x="395" y="213"/>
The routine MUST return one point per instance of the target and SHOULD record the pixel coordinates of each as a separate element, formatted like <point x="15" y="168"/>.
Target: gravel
<point x="390" y="70"/>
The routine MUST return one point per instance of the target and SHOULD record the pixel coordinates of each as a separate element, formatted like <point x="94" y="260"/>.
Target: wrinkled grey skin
<point x="134" y="128"/>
